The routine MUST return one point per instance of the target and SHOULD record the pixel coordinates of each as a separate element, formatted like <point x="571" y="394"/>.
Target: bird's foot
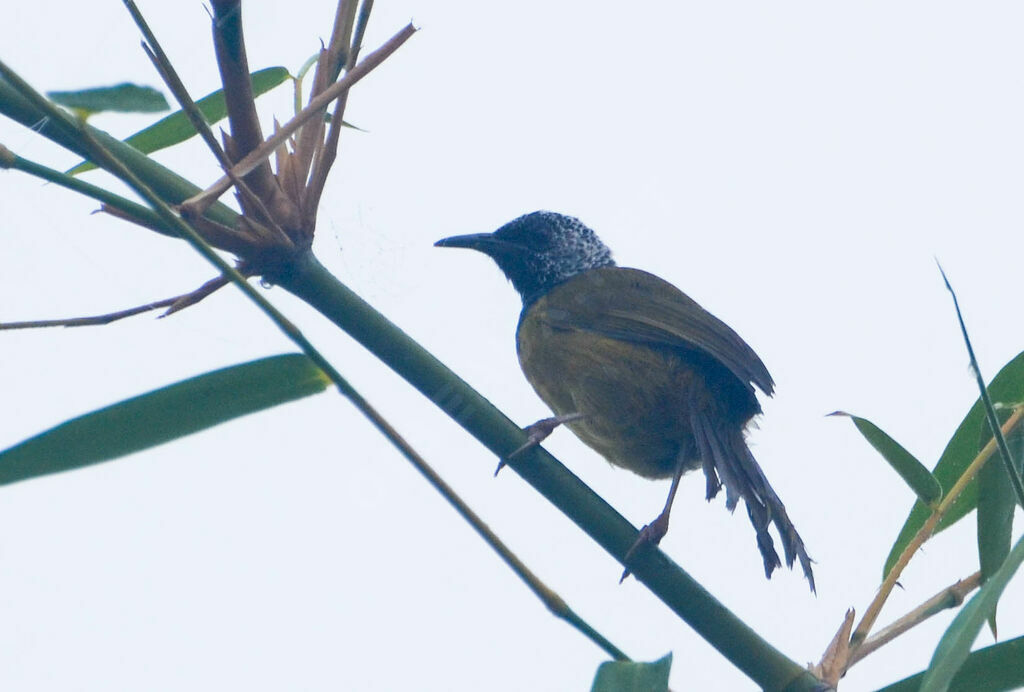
<point x="651" y="534"/>
<point x="537" y="433"/>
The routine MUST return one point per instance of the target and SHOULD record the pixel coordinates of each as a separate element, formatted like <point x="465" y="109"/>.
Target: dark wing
<point x="633" y="305"/>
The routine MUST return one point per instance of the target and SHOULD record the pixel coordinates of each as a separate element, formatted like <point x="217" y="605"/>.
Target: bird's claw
<point x="650" y="534"/>
<point x="537" y="433"/>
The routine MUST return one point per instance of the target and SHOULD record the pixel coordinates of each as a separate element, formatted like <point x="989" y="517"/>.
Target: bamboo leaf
<point x="633" y="676"/>
<point x="996" y="503"/>
<point x="162" y="415"/>
<point x="912" y="471"/>
<point x="955" y="645"/>
<point x="1006" y="387"/>
<point x="992" y="669"/>
<point x="176" y="128"/>
<point x="1016" y="482"/>
<point x="120" y="98"/>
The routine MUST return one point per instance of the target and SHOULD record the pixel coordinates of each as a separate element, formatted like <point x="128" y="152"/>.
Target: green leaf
<point x="122" y="98"/>
<point x="1006" y="387"/>
<point x="162" y="415"/>
<point x="176" y="128"/>
<point x="996" y="504"/>
<point x="955" y="645"/>
<point x="912" y="471"/>
<point x="633" y="676"/>
<point x="992" y="669"/>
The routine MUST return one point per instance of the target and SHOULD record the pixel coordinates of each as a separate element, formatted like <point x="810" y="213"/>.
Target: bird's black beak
<point x="482" y="242"/>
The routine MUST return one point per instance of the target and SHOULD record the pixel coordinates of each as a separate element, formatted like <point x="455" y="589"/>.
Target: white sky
<point x="795" y="167"/>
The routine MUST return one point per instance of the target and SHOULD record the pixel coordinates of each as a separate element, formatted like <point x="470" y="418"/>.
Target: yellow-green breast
<point x="635" y="397"/>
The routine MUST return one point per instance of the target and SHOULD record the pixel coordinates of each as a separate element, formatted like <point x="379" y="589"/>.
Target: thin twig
<point x="924" y="533"/>
<point x="328" y="66"/>
<point x="551" y="600"/>
<point x="90" y="321"/>
<point x="147" y="220"/>
<point x="360" y="32"/>
<point x="326" y="154"/>
<point x="322" y="162"/>
<point x="208" y="288"/>
<point x="165" y="68"/>
<point x="950" y="597"/>
<point x="202" y="200"/>
<point x="173" y="304"/>
<point x="341" y="40"/>
<point x="9" y="159"/>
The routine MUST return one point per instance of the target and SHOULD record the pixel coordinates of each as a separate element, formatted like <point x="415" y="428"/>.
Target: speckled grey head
<point x="538" y="251"/>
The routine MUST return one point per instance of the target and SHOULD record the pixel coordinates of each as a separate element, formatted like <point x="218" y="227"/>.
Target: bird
<point x="638" y="371"/>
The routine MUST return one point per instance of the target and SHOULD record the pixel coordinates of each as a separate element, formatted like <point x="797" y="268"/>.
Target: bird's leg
<point x="537" y="433"/>
<point x="651" y="534"/>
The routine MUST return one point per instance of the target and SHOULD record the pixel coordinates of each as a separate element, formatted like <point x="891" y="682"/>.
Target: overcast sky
<point x="796" y="167"/>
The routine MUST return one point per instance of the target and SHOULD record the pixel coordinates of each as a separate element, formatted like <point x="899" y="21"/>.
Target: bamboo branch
<point x="328" y="67"/>
<point x="155" y="52"/>
<point x="202" y="200"/>
<point x="328" y="152"/>
<point x="233" y="63"/>
<point x="950" y="597"/>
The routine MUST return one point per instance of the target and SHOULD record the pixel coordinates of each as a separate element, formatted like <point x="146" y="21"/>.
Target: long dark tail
<point x="726" y="456"/>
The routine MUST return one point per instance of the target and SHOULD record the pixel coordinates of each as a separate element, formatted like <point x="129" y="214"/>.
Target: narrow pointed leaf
<point x="120" y="98"/>
<point x="995" y="668"/>
<point x="912" y="471"/>
<point x="1007" y="387"/>
<point x="996" y="504"/>
<point x="955" y="645"/>
<point x="990" y="406"/>
<point x="633" y="676"/>
<point x="162" y="415"/>
<point x="176" y="128"/>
